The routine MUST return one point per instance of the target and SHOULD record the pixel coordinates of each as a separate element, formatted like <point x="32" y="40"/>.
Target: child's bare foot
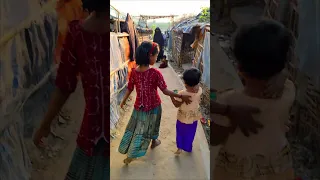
<point x="178" y="152"/>
<point x="127" y="160"/>
<point x="155" y="143"/>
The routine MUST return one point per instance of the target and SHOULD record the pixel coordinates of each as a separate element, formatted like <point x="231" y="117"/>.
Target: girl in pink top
<point x="144" y="123"/>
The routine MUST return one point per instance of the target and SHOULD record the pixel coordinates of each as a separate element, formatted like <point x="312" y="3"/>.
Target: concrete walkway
<point x="161" y="163"/>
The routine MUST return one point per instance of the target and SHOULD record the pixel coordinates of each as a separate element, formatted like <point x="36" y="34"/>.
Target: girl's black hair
<point x="261" y="49"/>
<point x="143" y="53"/>
<point x="191" y="77"/>
<point x="95" y="5"/>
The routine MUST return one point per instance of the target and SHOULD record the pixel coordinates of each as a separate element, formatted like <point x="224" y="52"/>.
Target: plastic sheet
<point x="115" y="53"/>
<point x="118" y="83"/>
<point x="206" y="59"/>
<point x="14" y="160"/>
<point x="24" y="63"/>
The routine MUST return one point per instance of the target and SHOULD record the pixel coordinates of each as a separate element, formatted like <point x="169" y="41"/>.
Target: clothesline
<point x="119" y="68"/>
<point x="25" y="24"/>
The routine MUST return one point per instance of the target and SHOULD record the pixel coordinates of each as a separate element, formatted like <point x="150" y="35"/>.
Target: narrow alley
<point x="161" y="162"/>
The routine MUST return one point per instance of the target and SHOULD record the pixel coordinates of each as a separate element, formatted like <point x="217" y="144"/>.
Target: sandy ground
<point x="53" y="162"/>
<point x="161" y="163"/>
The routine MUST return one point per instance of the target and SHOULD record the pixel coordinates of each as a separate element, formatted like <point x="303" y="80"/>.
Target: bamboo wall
<point x="305" y="134"/>
<point x="181" y="51"/>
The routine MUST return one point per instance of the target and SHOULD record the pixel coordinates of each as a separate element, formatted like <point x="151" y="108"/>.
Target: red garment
<point x="87" y="53"/>
<point x="146" y="84"/>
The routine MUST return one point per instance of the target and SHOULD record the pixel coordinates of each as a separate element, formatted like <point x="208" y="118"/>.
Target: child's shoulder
<point x="154" y="70"/>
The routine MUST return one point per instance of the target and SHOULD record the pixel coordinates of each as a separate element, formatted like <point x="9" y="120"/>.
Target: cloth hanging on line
<point x="133" y="40"/>
<point x="115" y="52"/>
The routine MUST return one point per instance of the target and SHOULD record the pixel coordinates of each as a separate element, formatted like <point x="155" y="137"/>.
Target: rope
<point x="25" y="24"/>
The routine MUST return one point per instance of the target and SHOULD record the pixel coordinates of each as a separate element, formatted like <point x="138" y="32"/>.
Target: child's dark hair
<point x="143" y="52"/>
<point x="261" y="49"/>
<point x="191" y="77"/>
<point x="164" y="56"/>
<point x="95" y="5"/>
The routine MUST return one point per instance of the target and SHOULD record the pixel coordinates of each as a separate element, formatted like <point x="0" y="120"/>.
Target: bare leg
<point x="178" y="151"/>
<point x="127" y="160"/>
<point x="155" y="143"/>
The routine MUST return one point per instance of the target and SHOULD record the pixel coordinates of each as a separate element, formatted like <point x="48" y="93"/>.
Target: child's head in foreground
<point x="147" y="53"/>
<point x="191" y="77"/>
<point x="261" y="49"/>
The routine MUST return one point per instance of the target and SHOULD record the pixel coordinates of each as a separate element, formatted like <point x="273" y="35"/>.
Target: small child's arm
<point x="130" y="88"/>
<point x="219" y="134"/>
<point x="221" y="125"/>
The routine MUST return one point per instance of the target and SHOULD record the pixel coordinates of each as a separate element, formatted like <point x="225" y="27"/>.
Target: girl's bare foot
<point x="127" y="160"/>
<point x="178" y="152"/>
<point x="155" y="143"/>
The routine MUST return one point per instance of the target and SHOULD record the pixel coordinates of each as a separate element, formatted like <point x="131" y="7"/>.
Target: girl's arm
<point x="175" y="102"/>
<point x="58" y="99"/>
<point x="66" y="83"/>
<point x="185" y="98"/>
<point x="163" y="87"/>
<point x="130" y="87"/>
<point x="126" y="96"/>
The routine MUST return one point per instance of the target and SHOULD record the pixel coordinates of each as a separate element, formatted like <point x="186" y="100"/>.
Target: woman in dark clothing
<point x="158" y="38"/>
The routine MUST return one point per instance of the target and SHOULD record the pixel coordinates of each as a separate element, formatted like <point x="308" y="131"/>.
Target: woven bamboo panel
<point x="176" y="46"/>
<point x="305" y="134"/>
<point x="205" y="98"/>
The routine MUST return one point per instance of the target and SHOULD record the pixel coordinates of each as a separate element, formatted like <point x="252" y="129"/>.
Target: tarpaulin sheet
<point x="118" y="84"/>
<point x="206" y="60"/>
<point x="24" y="62"/>
<point x="115" y="52"/>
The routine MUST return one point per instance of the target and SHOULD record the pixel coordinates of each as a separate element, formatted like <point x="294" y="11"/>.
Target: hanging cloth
<point x="130" y="29"/>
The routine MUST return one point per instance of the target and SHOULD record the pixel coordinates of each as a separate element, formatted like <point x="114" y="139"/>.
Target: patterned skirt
<point x="85" y="167"/>
<point x="258" y="167"/>
<point x="141" y="129"/>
